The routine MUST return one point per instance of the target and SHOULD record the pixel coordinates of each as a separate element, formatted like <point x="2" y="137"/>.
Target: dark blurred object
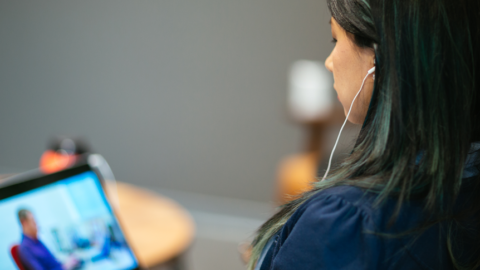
<point x="63" y="152"/>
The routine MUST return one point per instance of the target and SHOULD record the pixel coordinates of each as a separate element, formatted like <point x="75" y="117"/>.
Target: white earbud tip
<point x="371" y="70"/>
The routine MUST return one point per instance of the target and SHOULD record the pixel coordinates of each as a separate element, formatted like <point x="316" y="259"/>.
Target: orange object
<point x="296" y="175"/>
<point x="53" y="161"/>
<point x="298" y="172"/>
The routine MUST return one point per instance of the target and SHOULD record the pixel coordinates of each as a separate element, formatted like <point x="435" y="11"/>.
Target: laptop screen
<point x="66" y="224"/>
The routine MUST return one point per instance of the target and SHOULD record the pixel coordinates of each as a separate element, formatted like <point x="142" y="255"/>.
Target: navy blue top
<point x="334" y="230"/>
<point x="35" y="256"/>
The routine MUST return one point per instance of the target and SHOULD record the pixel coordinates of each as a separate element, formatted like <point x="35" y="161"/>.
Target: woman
<point x="408" y="196"/>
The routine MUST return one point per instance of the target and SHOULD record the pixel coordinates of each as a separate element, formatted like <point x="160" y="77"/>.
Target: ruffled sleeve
<point x="331" y="233"/>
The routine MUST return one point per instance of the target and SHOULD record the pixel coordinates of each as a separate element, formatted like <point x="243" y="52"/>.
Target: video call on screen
<point x="75" y="224"/>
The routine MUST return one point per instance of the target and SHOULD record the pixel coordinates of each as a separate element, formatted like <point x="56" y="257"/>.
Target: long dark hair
<point x="425" y="104"/>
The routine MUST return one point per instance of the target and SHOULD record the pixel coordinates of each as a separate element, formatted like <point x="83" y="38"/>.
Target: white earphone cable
<point x="346" y="119"/>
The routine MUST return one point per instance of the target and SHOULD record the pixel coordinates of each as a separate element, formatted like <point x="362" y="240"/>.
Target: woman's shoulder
<point x="340" y="208"/>
<point x="354" y="196"/>
<point x="350" y="208"/>
<point x="326" y="232"/>
<point x="337" y="199"/>
<point x="338" y="228"/>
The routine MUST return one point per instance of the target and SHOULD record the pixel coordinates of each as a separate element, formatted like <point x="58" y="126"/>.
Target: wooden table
<point x="158" y="229"/>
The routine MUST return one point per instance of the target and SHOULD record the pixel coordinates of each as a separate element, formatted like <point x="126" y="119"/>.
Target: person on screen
<point x="33" y="253"/>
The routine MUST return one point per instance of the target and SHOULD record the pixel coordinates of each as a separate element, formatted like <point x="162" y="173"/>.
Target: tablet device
<point x="61" y="221"/>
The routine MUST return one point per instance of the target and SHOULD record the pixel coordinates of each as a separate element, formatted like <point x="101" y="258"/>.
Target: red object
<point x="16" y="257"/>
<point x="52" y="161"/>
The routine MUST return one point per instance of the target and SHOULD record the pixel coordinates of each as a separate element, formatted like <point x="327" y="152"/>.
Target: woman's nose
<point x="329" y="63"/>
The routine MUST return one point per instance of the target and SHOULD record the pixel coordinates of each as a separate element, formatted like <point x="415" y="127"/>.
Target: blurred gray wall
<point x="178" y="94"/>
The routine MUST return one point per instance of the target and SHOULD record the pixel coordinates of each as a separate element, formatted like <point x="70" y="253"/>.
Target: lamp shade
<point x="311" y="97"/>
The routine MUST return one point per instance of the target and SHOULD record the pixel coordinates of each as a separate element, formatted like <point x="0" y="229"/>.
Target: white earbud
<point x="370" y="71"/>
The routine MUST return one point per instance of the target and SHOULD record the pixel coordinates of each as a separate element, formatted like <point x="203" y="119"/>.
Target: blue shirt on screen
<point x="35" y="256"/>
<point x="338" y="229"/>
